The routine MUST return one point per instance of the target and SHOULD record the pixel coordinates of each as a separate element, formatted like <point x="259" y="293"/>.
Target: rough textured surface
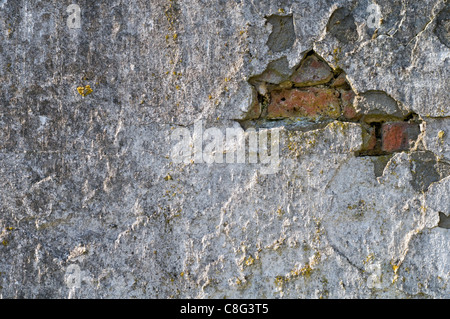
<point x="93" y="205"/>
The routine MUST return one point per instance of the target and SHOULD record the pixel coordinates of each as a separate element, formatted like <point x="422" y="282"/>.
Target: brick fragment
<point x="309" y="102"/>
<point x="398" y="136"/>
<point x="348" y="108"/>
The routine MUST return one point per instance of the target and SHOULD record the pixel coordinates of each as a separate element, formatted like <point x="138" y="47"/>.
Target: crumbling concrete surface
<point x="118" y="175"/>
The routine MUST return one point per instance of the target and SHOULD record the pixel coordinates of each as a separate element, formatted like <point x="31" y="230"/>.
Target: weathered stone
<point x="312" y="71"/>
<point x="398" y="136"/>
<point x="276" y="72"/>
<point x="311" y="103"/>
<point x="375" y="103"/>
<point x="437" y="137"/>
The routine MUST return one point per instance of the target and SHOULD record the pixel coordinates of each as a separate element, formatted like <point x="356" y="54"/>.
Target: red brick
<point x="310" y="102"/>
<point x="312" y="71"/>
<point x="348" y="109"/>
<point x="398" y="136"/>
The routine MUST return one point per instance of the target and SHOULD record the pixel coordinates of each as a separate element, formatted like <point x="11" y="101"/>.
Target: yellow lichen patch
<point x="250" y="260"/>
<point x="279" y="281"/>
<point x="84" y="91"/>
<point x="5" y="243"/>
<point x="280" y="212"/>
<point x="336" y="53"/>
<point x="395" y="268"/>
<point x="306" y="270"/>
<point x="441" y="134"/>
<point x="369" y="258"/>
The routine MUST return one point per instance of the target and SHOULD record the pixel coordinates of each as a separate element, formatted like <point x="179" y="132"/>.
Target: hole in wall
<point x="312" y="95"/>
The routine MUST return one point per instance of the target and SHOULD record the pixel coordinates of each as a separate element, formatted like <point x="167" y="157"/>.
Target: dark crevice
<point x="376" y="151"/>
<point x="410" y="117"/>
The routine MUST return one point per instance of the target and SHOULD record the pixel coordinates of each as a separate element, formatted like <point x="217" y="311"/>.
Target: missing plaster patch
<point x="313" y="94"/>
<point x="444" y="221"/>
<point x="379" y="163"/>
<point x="283" y="33"/>
<point x="426" y="169"/>
<point x="442" y="29"/>
<point x="342" y="26"/>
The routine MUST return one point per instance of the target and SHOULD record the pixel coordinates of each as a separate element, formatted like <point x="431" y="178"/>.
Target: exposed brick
<point x="339" y="81"/>
<point x="348" y="108"/>
<point x="312" y="71"/>
<point x="396" y="137"/>
<point x="310" y="102"/>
